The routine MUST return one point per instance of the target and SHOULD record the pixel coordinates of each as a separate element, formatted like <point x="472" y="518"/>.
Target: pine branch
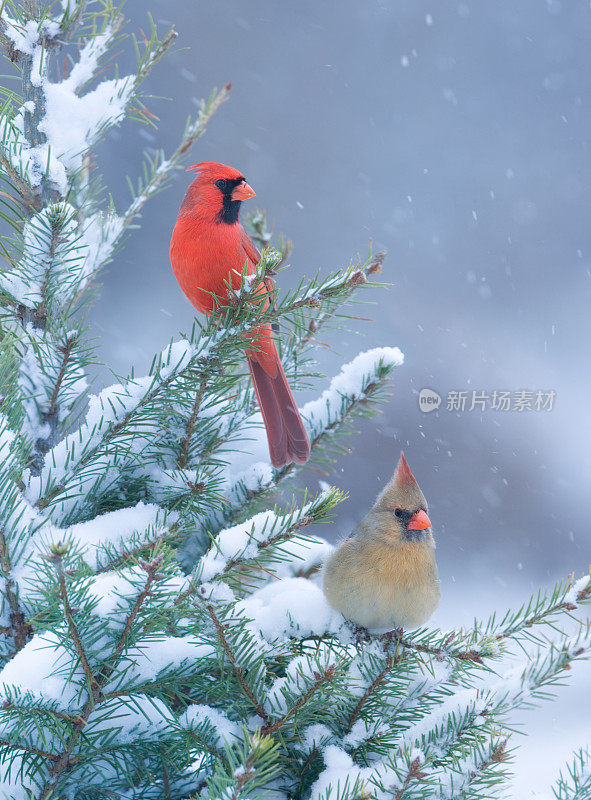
<point x="307" y="328"/>
<point x="186" y="443"/>
<point x="440" y="653"/>
<point x="151" y="569"/>
<point x="31" y="201"/>
<point x="232" y="659"/>
<point x="64" y="761"/>
<point x="497" y="756"/>
<point x="159" y="172"/>
<point x="10" y="705"/>
<point x="213" y="751"/>
<point x="574" y="782"/>
<point x="130" y="555"/>
<point x="414" y="773"/>
<point x="217" y="344"/>
<point x="56" y="555"/>
<point x="166" y="783"/>
<point x="155" y="50"/>
<point x="25" y="749"/>
<point x="72" y="21"/>
<point x="20" y="629"/>
<point x="33" y="71"/>
<point x="485" y="638"/>
<point x="272" y="541"/>
<point x="110" y="434"/>
<point x="389" y="664"/>
<point x="39" y="315"/>
<point x="446" y="715"/>
<point x="247" y="771"/>
<point x="321" y="679"/>
<point x="493" y="705"/>
<point x="541" y="609"/>
<point x="331" y="410"/>
<point x="67" y="352"/>
<point x="267" y="531"/>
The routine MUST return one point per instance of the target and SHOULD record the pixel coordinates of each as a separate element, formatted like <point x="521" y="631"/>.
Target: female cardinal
<point x="208" y="251"/>
<point x="384" y="575"/>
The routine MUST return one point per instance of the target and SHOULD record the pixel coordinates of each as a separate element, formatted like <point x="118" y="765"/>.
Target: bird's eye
<point x="221" y="184"/>
<point x="398" y="512"/>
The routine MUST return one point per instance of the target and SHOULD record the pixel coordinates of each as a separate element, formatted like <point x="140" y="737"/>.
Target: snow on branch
<point x="108" y="540"/>
<point x="66" y="238"/>
<point x="471" y="712"/>
<point x="59" y="254"/>
<point x="89" y="117"/>
<point x="115" y="416"/>
<point x="90" y="55"/>
<point x="46" y="243"/>
<point x="449" y="655"/>
<point x="239" y="554"/>
<point x="431" y="713"/>
<point x="158" y="169"/>
<point x="36" y="144"/>
<point x="307" y="676"/>
<point x="457" y="742"/>
<point x="353" y="384"/>
<point x="73" y="665"/>
<point x="108" y="423"/>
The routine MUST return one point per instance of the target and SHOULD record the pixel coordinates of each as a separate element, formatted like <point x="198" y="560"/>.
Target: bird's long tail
<point x="288" y="440"/>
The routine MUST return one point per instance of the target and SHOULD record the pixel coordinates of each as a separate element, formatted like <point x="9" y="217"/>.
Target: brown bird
<point x="384" y="575"/>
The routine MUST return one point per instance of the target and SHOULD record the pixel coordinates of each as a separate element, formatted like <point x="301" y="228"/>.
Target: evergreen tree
<point x="163" y="634"/>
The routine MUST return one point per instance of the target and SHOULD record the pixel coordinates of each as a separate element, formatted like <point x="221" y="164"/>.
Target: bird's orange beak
<point x="243" y="191"/>
<point x="419" y="521"/>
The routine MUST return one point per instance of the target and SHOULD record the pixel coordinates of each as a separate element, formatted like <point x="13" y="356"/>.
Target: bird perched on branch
<point x="384" y="575"/>
<point x="208" y="252"/>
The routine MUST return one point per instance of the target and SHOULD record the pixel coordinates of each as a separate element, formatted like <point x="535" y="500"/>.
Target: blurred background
<point x="456" y="136"/>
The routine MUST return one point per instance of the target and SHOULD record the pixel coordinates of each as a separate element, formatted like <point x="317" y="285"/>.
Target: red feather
<point x="206" y="252"/>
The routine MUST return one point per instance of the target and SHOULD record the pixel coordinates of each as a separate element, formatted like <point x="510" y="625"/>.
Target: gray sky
<point x="456" y="136"/>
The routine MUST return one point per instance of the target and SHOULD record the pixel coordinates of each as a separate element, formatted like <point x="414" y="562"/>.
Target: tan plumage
<point x="385" y="575"/>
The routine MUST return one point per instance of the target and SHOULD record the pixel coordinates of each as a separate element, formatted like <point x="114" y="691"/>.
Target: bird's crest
<point x="402" y="489"/>
<point x="403" y="475"/>
<point x="214" y="170"/>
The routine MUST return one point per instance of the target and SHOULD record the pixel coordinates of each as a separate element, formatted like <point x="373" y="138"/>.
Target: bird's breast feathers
<point x="380" y="586"/>
<point x="204" y="259"/>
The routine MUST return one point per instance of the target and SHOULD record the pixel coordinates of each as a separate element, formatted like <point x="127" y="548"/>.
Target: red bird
<point x="208" y="249"/>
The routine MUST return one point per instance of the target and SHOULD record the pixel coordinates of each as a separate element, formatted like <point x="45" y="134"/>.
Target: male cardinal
<point x="384" y="575"/>
<point x="208" y="251"/>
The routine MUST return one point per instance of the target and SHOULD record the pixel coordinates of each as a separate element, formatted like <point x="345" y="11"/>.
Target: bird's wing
<point x="249" y="248"/>
<point x="254" y="256"/>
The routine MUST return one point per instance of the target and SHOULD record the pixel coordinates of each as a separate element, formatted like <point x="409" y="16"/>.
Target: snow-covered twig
<point x="117" y="409"/>
<point x="96" y="681"/>
<point x="238" y="671"/>
<point x="156" y="172"/>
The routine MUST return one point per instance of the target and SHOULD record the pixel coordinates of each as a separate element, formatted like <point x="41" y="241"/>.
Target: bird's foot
<point x="391" y="636"/>
<point x="361" y="634"/>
